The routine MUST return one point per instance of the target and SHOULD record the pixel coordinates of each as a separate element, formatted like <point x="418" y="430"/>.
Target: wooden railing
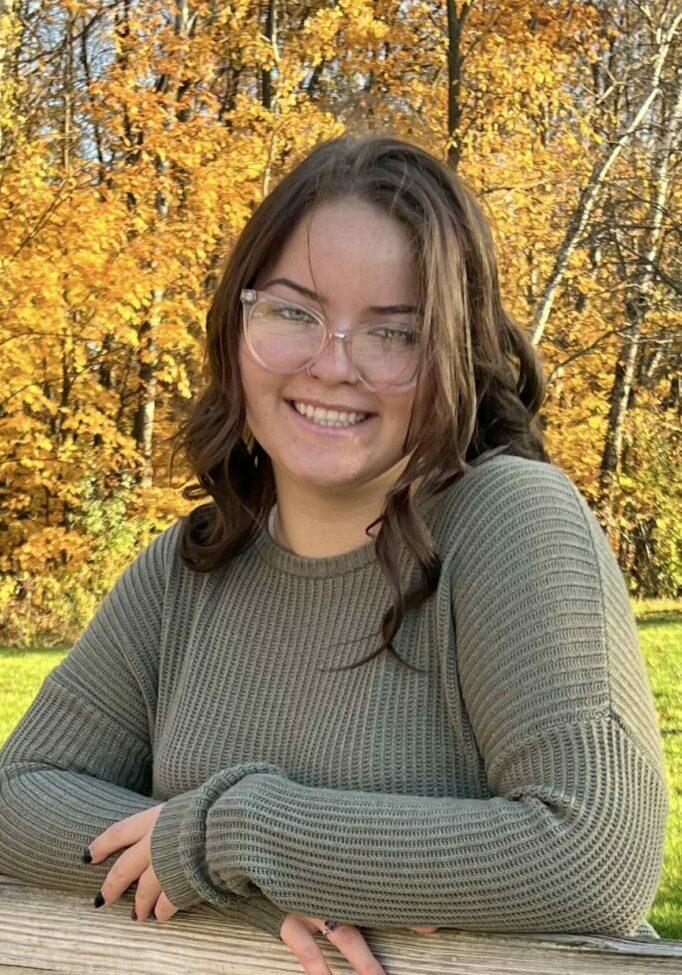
<point x="49" y="931"/>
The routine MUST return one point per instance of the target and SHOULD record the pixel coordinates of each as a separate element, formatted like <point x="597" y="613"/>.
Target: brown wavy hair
<point x="481" y="386"/>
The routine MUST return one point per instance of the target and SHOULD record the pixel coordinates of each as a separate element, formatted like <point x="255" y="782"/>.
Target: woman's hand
<point x="134" y="864"/>
<point x="297" y="934"/>
<point x="134" y="832"/>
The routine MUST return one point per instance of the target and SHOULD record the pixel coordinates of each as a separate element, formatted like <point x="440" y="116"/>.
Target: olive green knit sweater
<point x="515" y="783"/>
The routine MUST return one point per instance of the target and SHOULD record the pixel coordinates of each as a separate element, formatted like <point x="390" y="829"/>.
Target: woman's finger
<point x="123" y="833"/>
<point x="424" y="930"/>
<point x="147" y="894"/>
<point x="299" y="939"/>
<point x="164" y="909"/>
<point x="128" y="868"/>
<point x="350" y="942"/>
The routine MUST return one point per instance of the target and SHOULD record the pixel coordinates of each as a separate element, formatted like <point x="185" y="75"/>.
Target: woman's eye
<point x="402" y="336"/>
<point x="293" y="314"/>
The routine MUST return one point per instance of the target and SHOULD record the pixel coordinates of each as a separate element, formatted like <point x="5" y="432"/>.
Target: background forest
<point x="136" y="137"/>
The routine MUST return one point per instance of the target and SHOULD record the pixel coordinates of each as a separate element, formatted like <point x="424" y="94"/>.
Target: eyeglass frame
<point x="251" y="296"/>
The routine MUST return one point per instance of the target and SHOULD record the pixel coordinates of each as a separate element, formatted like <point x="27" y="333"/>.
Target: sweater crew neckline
<point x="327" y="566"/>
<point x="330" y="565"/>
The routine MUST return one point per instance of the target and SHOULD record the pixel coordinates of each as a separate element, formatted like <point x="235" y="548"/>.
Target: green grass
<point x="21" y="674"/>
<point x="660" y="633"/>
<point x="660" y="630"/>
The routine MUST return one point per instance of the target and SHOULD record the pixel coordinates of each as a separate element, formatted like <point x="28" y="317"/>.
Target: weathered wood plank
<point x="62" y="934"/>
<point x="12" y="970"/>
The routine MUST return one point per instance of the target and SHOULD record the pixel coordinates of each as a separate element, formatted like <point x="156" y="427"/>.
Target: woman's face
<point x="360" y="258"/>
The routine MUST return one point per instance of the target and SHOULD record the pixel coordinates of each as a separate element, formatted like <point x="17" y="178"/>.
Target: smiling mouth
<point x="332" y="425"/>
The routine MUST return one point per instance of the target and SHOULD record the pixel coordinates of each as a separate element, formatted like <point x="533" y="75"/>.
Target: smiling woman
<point x="417" y="699"/>
<point x="331" y="480"/>
<point x="364" y="239"/>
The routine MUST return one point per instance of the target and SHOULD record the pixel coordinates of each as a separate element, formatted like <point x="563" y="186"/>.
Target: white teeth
<point x="329" y="418"/>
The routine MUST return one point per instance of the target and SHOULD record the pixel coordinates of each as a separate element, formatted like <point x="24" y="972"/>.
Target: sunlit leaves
<point x="123" y="187"/>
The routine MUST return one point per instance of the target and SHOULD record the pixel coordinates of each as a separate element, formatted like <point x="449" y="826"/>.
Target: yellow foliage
<point x="97" y="256"/>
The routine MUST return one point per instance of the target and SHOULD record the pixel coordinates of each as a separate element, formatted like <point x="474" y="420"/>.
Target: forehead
<point x="349" y="249"/>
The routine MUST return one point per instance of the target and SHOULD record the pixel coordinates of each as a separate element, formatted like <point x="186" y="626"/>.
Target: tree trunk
<point x="590" y="193"/>
<point x="636" y="305"/>
<point x="456" y="19"/>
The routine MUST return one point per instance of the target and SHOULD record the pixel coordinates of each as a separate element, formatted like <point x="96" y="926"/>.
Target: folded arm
<point x="80" y="759"/>
<point x="571" y="838"/>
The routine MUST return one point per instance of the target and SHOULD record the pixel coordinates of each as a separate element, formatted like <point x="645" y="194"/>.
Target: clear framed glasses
<point x="286" y="336"/>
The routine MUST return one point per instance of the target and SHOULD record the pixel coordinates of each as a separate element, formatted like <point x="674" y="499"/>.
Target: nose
<point x="334" y="364"/>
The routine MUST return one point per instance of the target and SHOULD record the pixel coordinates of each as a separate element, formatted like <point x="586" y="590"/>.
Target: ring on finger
<point x="329" y="926"/>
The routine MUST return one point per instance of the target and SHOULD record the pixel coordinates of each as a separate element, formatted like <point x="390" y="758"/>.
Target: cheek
<point x="396" y="413"/>
<point x="399" y="409"/>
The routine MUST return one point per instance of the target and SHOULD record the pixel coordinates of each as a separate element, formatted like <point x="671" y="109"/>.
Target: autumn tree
<point x="137" y="137"/>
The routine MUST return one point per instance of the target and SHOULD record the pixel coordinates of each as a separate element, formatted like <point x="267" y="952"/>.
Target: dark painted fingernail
<point x="99" y="900"/>
<point x="87" y="856"/>
<point x="133" y="914"/>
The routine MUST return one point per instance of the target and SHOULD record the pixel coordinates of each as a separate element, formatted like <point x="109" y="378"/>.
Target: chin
<point x="329" y="482"/>
<point x="327" y="477"/>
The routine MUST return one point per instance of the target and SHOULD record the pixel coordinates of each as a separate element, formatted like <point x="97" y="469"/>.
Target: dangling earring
<point x="248" y="438"/>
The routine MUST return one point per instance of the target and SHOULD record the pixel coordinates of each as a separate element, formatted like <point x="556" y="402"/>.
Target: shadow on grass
<point x="662" y="617"/>
<point x="28" y="651"/>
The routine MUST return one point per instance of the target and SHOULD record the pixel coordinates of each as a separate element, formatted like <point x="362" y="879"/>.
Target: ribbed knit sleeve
<point x="81" y="757"/>
<point x="546" y="654"/>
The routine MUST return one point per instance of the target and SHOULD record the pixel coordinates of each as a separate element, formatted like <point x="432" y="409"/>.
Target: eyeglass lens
<point x="286" y="337"/>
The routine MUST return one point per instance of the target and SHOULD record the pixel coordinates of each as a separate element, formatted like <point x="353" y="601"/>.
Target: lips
<point x="339" y="409"/>
<point x="321" y="428"/>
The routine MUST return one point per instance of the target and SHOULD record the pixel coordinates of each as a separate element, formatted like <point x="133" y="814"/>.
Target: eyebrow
<point x="374" y="309"/>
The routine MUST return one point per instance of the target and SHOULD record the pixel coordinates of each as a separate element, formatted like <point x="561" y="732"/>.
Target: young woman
<point x="388" y="675"/>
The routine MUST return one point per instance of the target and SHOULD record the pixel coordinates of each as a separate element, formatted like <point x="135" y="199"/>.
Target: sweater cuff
<point x="164" y="851"/>
<point x="258" y="911"/>
<point x="178" y="841"/>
